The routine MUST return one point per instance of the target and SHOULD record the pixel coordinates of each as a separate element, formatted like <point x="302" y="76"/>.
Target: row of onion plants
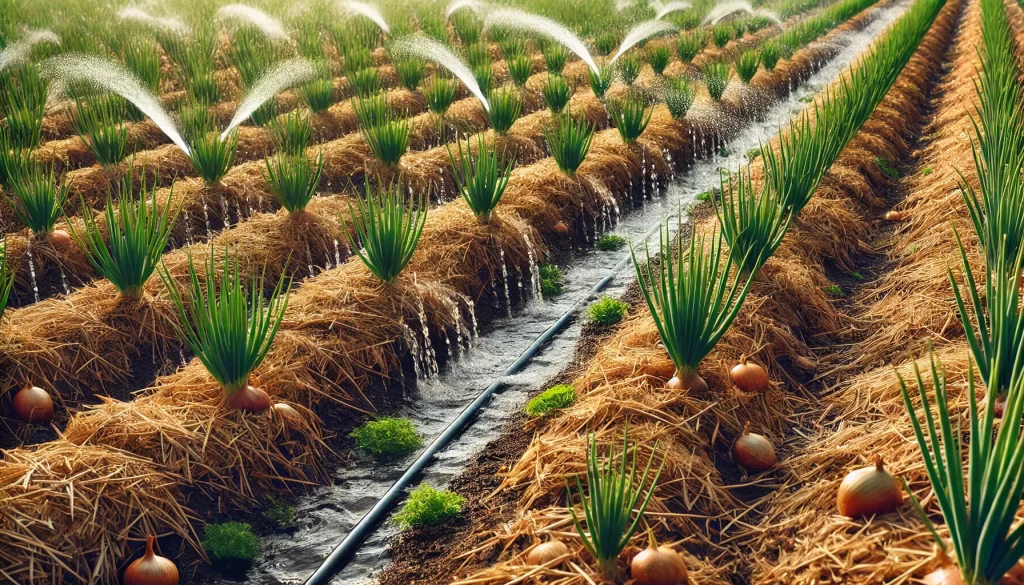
<point x="979" y="498"/>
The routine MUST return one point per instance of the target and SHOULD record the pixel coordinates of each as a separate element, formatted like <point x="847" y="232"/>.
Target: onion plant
<point x="229" y="326"/>
<point x="439" y="93"/>
<point x="387" y="136"/>
<point x="478" y="55"/>
<point x="692" y="298"/>
<point x="293" y="179"/>
<point x="484" y="75"/>
<point x="605" y="43"/>
<point x="679" y="97"/>
<point x="557" y="93"/>
<point x="979" y="505"/>
<point x="291" y="132"/>
<point x="143" y="59"/>
<point x="318" y="95"/>
<point x="721" y="34"/>
<point x="716" y="79"/>
<point x="747" y="64"/>
<point x="770" y="55"/>
<point x="365" y="82"/>
<point x="753" y="221"/>
<point x="512" y="47"/>
<point x="99" y="124"/>
<point x="629" y="68"/>
<point x="601" y="80"/>
<point x="126" y="250"/>
<point x="630" y="116"/>
<point x="467" y="26"/>
<point x="38" y="195"/>
<point x="356" y="59"/>
<point x="388" y="225"/>
<point x="24" y="102"/>
<point x="211" y="157"/>
<point x="689" y="45"/>
<point x="615" y="490"/>
<point x="410" y="72"/>
<point x="555" y="56"/>
<point x="569" y="141"/>
<point x="6" y="278"/>
<point x="505" y="108"/>
<point x="520" y="68"/>
<point x="481" y="177"/>
<point x="658" y="58"/>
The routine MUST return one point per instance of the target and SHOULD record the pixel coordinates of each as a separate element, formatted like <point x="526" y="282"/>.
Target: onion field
<point x="496" y="292"/>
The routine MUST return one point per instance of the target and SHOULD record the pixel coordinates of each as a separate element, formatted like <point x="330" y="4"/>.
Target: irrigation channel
<point x="327" y="515"/>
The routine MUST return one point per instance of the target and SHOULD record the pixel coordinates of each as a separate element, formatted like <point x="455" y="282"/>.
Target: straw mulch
<point x="74" y="512"/>
<point x="183" y="425"/>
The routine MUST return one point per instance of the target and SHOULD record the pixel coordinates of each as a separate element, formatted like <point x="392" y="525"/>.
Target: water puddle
<point x="327" y="515"/>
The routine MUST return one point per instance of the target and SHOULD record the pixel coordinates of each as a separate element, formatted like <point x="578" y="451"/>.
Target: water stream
<point x="327" y="515"/>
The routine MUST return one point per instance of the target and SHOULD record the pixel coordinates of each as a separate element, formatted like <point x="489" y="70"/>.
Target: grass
<point x="293" y="179"/>
<point x="127" y="249"/>
<point x="888" y="168"/>
<point x="601" y="80"/>
<point x="554" y="398"/>
<point x="610" y="243"/>
<point x="506" y="106"/>
<point x="280" y="513"/>
<point x="607" y="311"/>
<point x="38" y="195"/>
<point x="747" y="64"/>
<point x="557" y="93"/>
<point x="388" y="225"/>
<point x="555" y="56"/>
<point x="569" y="141"/>
<point x="387" y="437"/>
<point x="658" y="58"/>
<point x="6" y="278"/>
<point x="834" y="290"/>
<point x="631" y="117"/>
<point x="552" y="280"/>
<point x="429" y="506"/>
<point x="614" y="491"/>
<point x="691" y="297"/>
<point x="228" y="326"/>
<point x="230" y="542"/>
<point x="716" y="79"/>
<point x="679" y="97"/>
<point x="481" y="177"/>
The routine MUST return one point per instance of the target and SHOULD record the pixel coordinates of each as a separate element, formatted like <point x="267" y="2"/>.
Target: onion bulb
<point x="33" y="405"/>
<point x="690" y="381"/>
<point x="291" y="417"/>
<point x="947" y="573"/>
<point x="868" y="491"/>
<point x="151" y="569"/>
<point x="749" y="377"/>
<point x="546" y="552"/>
<point x="658" y="565"/>
<point x="60" y="239"/>
<point x="561" y="227"/>
<point x="895" y="215"/>
<point x="249" y="398"/>
<point x="753" y="452"/>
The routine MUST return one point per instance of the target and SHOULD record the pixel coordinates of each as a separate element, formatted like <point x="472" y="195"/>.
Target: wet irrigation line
<point x="343" y="535"/>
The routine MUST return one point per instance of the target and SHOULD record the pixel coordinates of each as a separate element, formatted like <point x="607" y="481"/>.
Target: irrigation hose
<point x="347" y="548"/>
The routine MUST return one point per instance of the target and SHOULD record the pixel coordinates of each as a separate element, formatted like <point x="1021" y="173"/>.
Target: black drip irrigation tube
<point x="347" y="548"/>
